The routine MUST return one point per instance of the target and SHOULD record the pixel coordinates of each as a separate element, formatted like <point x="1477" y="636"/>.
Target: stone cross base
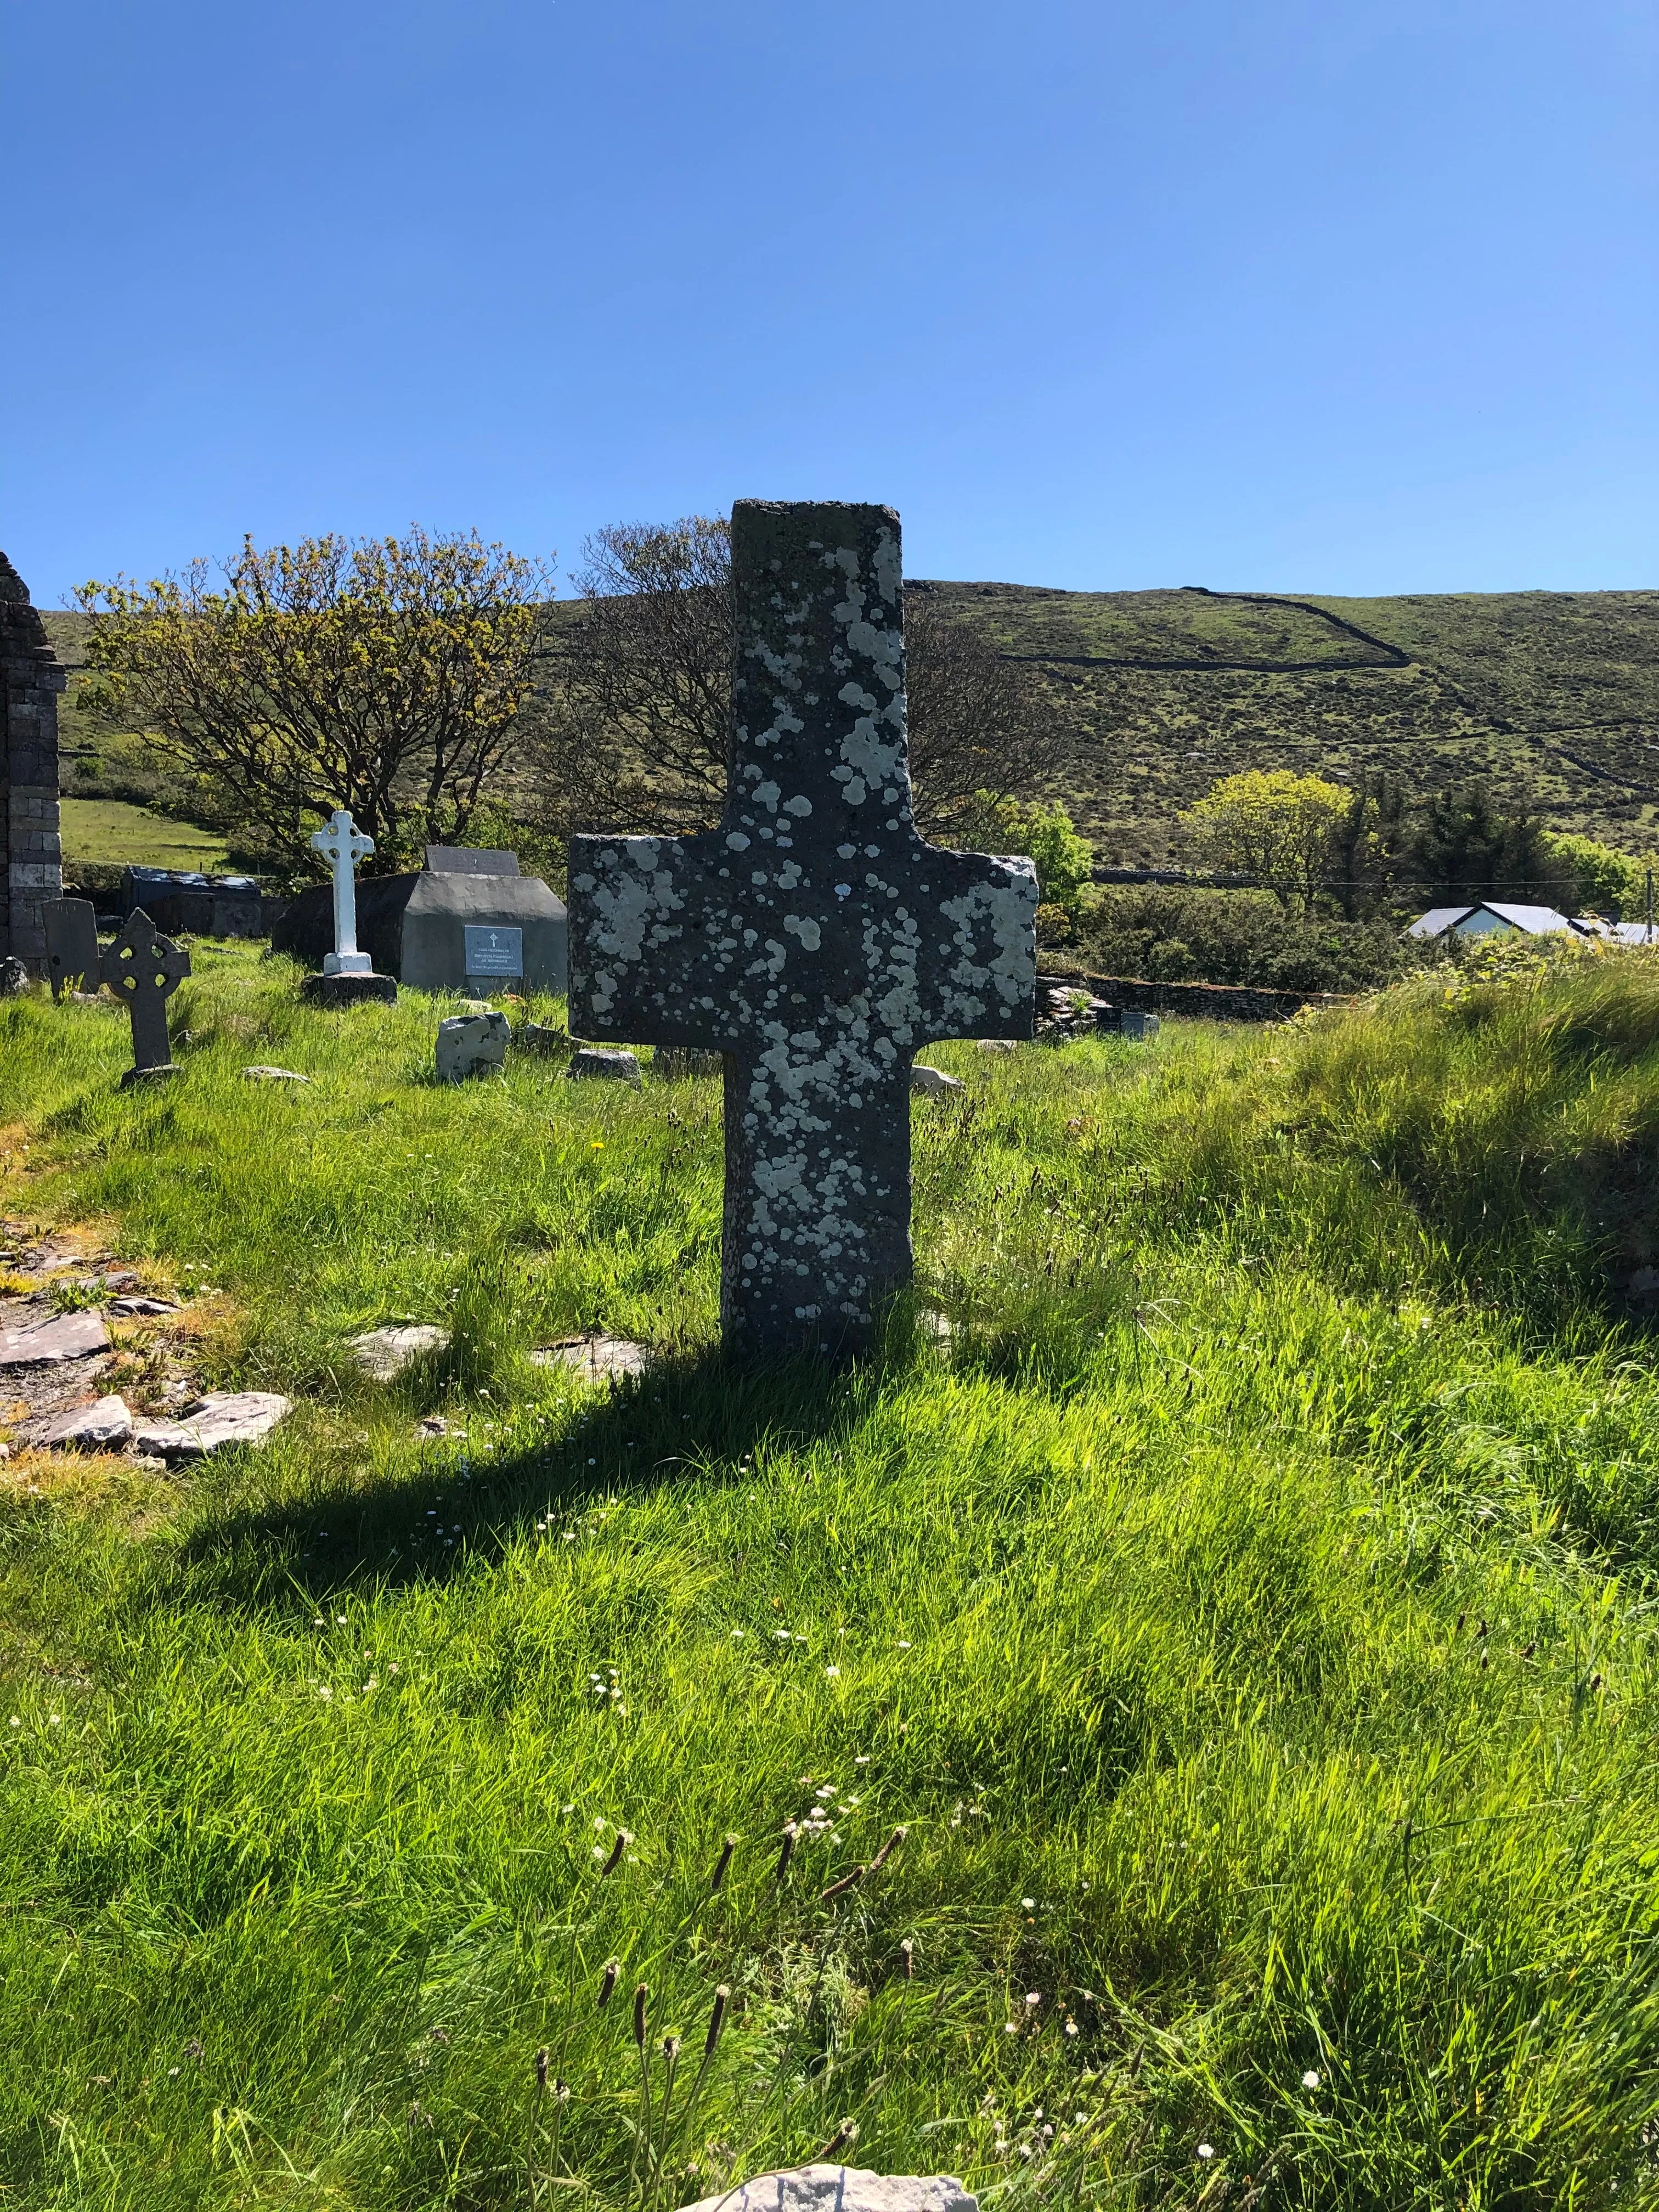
<point x="334" y="991"/>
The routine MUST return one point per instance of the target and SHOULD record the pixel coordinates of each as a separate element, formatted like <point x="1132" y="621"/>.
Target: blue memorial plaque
<point x="494" y="951"/>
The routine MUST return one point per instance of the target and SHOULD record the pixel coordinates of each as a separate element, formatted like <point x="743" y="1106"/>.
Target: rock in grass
<point x="229" y="1416"/>
<point x="614" y="1066"/>
<point x="14" y="978"/>
<point x="103" y="1426"/>
<point x="934" y="1082"/>
<point x="128" y="1308"/>
<point x="383" y="1354"/>
<point x="49" y="1343"/>
<point x="274" y="1075"/>
<point x="469" y="1044"/>
<point x="842" y="2188"/>
<point x="595" y="1356"/>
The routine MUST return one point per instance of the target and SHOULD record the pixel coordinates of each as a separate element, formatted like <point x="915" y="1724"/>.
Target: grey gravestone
<point x="415" y="925"/>
<point x="470" y="860"/>
<point x="614" y="1066"/>
<point x="1138" y="1028"/>
<point x="814" y="937"/>
<point x="72" y="954"/>
<point x="143" y="969"/>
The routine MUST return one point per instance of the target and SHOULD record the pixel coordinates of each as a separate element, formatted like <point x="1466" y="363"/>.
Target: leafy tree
<point x="1065" y="861"/>
<point x="632" y="728"/>
<point x="1279" y="828"/>
<point x="1468" y="848"/>
<point x="381" y="674"/>
<point x="1596" y="878"/>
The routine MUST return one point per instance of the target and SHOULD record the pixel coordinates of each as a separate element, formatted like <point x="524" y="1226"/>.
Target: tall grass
<point x="1245" y="1608"/>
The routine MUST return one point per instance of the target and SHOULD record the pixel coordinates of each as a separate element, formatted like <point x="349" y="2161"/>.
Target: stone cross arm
<point x="724" y="942"/>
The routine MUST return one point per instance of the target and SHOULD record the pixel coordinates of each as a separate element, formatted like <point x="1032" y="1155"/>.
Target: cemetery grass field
<point x="1246" y="1610"/>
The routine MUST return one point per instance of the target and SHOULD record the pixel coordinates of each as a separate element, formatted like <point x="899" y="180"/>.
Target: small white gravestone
<point x="343" y="845"/>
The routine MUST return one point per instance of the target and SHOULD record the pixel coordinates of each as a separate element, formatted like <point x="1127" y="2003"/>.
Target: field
<point x="112" y="832"/>
<point x="1243" y="1607"/>
<point x="1554" y="695"/>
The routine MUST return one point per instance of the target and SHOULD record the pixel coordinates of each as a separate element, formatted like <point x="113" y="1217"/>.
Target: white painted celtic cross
<point x="343" y="845"/>
<point x="815" y="939"/>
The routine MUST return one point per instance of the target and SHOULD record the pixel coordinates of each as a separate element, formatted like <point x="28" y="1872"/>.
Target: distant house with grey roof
<point x="1492" y="917"/>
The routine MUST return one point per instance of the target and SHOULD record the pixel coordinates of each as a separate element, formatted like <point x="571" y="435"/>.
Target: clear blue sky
<point x="1251" y="293"/>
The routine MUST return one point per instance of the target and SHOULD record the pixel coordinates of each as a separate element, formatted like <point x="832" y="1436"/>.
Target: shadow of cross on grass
<point x="815" y="939"/>
<point x="358" y="1533"/>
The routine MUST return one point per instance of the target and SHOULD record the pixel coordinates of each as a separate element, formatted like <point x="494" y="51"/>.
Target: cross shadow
<point x="466" y="1502"/>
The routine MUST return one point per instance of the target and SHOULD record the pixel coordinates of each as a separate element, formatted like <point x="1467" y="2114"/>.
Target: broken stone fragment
<point x="469" y="1045"/>
<point x="842" y="2188"/>
<point x="274" y="1075"/>
<point x="48" y="1343"/>
<point x="104" y="1426"/>
<point x="128" y="1308"/>
<point x="617" y="1066"/>
<point x="934" y="1082"/>
<point x="997" y="1044"/>
<point x="230" y="1416"/>
<point x="383" y="1354"/>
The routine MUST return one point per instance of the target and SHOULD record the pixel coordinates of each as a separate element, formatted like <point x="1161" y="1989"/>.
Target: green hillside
<point x="1555" y="694"/>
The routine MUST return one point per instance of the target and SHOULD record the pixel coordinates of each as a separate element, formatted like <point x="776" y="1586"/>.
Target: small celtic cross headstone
<point x="343" y="845"/>
<point x="814" y="939"/>
<point x="143" y="969"/>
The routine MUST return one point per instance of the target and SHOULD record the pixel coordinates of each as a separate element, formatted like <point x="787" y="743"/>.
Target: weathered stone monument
<point x="467" y="921"/>
<point x="31" y="859"/>
<point x="814" y="937"/>
<point x="72" y="955"/>
<point x="143" y="969"/>
<point x="348" y="975"/>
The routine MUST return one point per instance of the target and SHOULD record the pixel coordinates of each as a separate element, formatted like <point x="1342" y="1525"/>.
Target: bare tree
<point x="632" y="727"/>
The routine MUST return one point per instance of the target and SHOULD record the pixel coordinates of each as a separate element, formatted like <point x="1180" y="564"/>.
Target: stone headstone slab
<point x="106" y="1425"/>
<point x="934" y="1082"/>
<point x="841" y="2189"/>
<point x="470" y="1044"/>
<point x="231" y="1417"/>
<point x="49" y="1343"/>
<point x="814" y="939"/>
<point x="72" y="954"/>
<point x="1138" y="1028"/>
<point x="384" y="1353"/>
<point x="612" y="1066"/>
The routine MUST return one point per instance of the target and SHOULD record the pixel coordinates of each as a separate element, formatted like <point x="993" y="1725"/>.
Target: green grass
<point x="113" y="832"/>
<point x="1247" y="1610"/>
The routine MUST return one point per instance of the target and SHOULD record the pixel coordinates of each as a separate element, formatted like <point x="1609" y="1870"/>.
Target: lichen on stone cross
<point x="815" y="939"/>
<point x="143" y="969"/>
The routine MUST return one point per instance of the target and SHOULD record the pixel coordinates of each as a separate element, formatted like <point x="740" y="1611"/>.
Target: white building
<point x="1492" y="917"/>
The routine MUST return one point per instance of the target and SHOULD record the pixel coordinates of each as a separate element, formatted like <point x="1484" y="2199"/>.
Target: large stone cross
<point x="815" y="939"/>
<point x="342" y="844"/>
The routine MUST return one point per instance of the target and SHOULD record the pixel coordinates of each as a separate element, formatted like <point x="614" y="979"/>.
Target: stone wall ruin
<point x="31" y="859"/>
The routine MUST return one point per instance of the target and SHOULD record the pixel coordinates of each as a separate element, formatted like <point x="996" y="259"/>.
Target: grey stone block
<point x="934" y="1082"/>
<point x="104" y="1426"/>
<point x="470" y="1044"/>
<point x="414" y="926"/>
<point x="616" y="1066"/>
<point x="337" y="991"/>
<point x="50" y="1343"/>
<point x="232" y="1417"/>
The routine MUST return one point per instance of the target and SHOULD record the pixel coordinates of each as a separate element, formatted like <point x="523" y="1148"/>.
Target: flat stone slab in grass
<point x="383" y="1354"/>
<point x="596" y="1359"/>
<point x="130" y="1308"/>
<point x="104" y="1426"/>
<point x="229" y="1417"/>
<point x="274" y="1075"/>
<point x="616" y="1066"/>
<point x="842" y="2188"/>
<point x="48" y="1343"/>
<point x="934" y="1082"/>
